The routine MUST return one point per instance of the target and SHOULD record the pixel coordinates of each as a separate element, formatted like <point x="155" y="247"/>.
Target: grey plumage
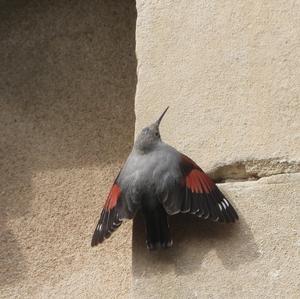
<point x="159" y="180"/>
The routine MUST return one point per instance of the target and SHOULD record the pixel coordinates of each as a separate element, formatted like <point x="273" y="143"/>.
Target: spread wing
<point x="116" y="208"/>
<point x="196" y="193"/>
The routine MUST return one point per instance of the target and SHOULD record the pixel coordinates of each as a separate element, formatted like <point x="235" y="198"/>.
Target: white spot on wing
<point x="226" y="202"/>
<point x="223" y="204"/>
<point x="220" y="207"/>
<point x="176" y="212"/>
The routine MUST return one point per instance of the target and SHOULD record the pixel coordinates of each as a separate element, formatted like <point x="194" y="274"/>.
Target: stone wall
<point x="67" y="85"/>
<point x="229" y="70"/>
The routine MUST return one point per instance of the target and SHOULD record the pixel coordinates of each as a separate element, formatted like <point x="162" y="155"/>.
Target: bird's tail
<point x="157" y="228"/>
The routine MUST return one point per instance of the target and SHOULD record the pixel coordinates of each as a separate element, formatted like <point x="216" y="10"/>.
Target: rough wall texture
<point x="67" y="85"/>
<point x="229" y="69"/>
<point x="257" y="258"/>
<point x="230" y="72"/>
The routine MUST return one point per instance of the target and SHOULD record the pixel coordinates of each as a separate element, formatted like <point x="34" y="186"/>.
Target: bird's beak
<point x="159" y="120"/>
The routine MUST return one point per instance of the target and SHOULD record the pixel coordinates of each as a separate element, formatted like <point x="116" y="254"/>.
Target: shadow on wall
<point x="67" y="86"/>
<point x="193" y="238"/>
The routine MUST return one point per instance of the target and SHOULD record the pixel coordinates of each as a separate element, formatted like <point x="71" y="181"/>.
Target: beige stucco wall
<point x="230" y="72"/>
<point x="67" y="85"/>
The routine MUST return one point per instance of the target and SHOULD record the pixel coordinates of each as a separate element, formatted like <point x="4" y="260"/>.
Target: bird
<point x="159" y="181"/>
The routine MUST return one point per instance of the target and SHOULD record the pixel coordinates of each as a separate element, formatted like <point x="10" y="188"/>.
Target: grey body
<point x="160" y="181"/>
<point x="151" y="169"/>
<point x="147" y="176"/>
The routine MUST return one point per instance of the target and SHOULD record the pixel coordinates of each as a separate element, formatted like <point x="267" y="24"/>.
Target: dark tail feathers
<point x="157" y="228"/>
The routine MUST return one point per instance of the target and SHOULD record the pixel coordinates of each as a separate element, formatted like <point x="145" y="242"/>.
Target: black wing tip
<point x="226" y="210"/>
<point x="213" y="206"/>
<point x="103" y="232"/>
<point x="93" y="243"/>
<point x="95" y="240"/>
<point x="230" y="214"/>
<point x="97" y="237"/>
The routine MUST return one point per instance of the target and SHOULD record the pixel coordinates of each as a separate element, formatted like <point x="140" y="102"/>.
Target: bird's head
<point x="149" y="137"/>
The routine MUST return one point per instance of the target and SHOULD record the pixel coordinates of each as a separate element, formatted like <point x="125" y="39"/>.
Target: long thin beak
<point x="159" y="120"/>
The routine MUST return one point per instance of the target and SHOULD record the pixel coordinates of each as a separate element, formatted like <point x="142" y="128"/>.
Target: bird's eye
<point x="157" y="134"/>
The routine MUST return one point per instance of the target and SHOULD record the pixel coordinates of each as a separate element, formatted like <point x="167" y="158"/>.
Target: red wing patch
<point x="199" y="182"/>
<point x="112" y="197"/>
<point x="109" y="219"/>
<point x="195" y="179"/>
<point x="197" y="194"/>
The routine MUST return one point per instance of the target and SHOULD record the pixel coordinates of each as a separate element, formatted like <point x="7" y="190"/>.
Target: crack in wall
<point x="252" y="170"/>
